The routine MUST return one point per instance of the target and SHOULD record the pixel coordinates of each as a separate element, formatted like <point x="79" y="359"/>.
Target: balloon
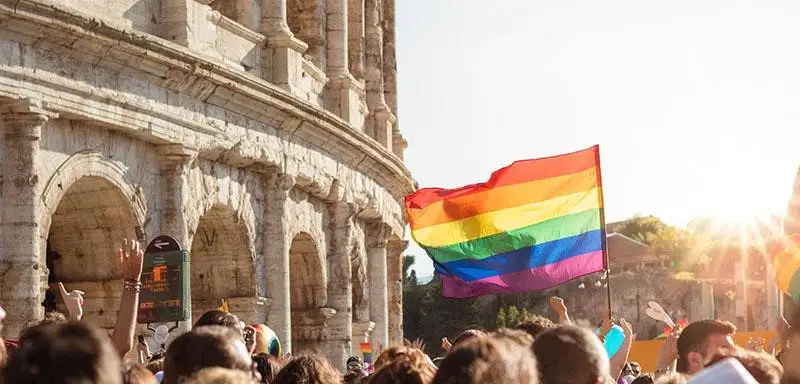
<point x="614" y="340"/>
<point x="267" y="341"/>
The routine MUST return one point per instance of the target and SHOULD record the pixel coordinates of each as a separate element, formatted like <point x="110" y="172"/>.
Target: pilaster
<point x="340" y="293"/>
<point x="377" y="237"/>
<point x="174" y="162"/>
<point x="21" y="288"/>
<point x="394" y="272"/>
<point x="277" y="245"/>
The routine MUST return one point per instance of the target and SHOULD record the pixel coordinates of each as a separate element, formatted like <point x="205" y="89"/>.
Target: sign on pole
<point x="165" y="282"/>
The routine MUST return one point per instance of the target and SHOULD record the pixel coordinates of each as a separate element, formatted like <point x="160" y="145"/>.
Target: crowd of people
<point x="219" y="349"/>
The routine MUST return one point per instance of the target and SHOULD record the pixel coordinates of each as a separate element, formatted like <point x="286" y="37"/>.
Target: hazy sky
<point x="695" y="103"/>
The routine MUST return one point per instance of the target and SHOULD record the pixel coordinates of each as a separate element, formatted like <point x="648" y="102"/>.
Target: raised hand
<point x="558" y="305"/>
<point x="73" y="301"/>
<point x="131" y="256"/>
<point x="446" y="345"/>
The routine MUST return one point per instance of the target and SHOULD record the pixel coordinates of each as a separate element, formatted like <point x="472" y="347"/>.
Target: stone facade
<point x="261" y="134"/>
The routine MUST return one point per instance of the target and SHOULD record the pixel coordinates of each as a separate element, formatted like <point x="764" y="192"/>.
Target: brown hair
<point x="467" y="335"/>
<point x="49" y="318"/>
<point x="764" y="368"/>
<point x="67" y="352"/>
<point x="502" y="357"/>
<point x="135" y="373"/>
<point x="695" y="336"/>
<point x="267" y="365"/>
<point x="568" y="354"/>
<point x="394" y="353"/>
<point x="307" y="369"/>
<point x="409" y="367"/>
<point x="536" y="325"/>
<point x="218" y="375"/>
<point x="205" y="347"/>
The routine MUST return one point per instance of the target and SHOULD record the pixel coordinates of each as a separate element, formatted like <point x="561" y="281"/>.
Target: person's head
<point x="502" y="357"/>
<point x="63" y="353"/>
<point x="571" y="355"/>
<point x="411" y="367"/>
<point x="135" y="373"/>
<point x="536" y="325"/>
<point x="701" y="339"/>
<point x="155" y="365"/>
<point x="205" y="347"/>
<point x="217" y="317"/>
<point x="49" y="318"/>
<point x="762" y="366"/>
<point x="398" y="351"/>
<point x="643" y="379"/>
<point x="217" y="375"/>
<point x="673" y="378"/>
<point x="354" y="363"/>
<point x="355" y="376"/>
<point x="467" y="335"/>
<point x="307" y="369"/>
<point x="267" y="365"/>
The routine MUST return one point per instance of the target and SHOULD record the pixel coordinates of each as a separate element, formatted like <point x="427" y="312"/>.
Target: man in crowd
<point x="699" y="341"/>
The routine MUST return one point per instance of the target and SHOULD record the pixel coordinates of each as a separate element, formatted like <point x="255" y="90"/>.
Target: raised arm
<point x="558" y="305"/>
<point x="131" y="257"/>
<point x="619" y="359"/>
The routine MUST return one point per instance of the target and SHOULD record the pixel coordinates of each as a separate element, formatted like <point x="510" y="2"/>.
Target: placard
<point x="165" y="282"/>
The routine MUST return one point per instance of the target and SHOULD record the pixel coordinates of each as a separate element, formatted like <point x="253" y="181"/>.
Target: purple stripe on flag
<point x="535" y="279"/>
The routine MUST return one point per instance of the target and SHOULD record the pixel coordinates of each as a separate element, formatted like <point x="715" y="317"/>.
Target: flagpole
<point x="603" y="231"/>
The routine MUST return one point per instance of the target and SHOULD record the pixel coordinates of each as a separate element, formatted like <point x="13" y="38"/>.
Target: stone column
<point x="273" y="18"/>
<point x="277" y="245"/>
<point x="380" y="120"/>
<point x="21" y="289"/>
<point x="394" y="272"/>
<point x="378" y="298"/>
<point x="343" y="91"/>
<point x="175" y="160"/>
<point x="340" y="293"/>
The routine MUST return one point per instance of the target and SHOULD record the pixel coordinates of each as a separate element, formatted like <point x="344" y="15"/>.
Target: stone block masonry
<point x="255" y="132"/>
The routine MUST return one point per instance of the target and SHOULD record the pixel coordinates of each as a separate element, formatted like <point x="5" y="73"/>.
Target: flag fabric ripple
<point x="534" y="225"/>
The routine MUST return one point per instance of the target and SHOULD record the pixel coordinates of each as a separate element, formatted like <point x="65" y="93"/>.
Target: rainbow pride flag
<point x="786" y="262"/>
<point x="534" y="225"/>
<point x="366" y="352"/>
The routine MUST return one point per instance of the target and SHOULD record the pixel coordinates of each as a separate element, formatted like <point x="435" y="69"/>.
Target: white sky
<point x="695" y="103"/>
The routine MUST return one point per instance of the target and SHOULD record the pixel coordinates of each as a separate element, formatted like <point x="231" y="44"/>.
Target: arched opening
<point x="308" y="294"/>
<point x="307" y="19"/>
<point x="86" y="230"/>
<point x="221" y="261"/>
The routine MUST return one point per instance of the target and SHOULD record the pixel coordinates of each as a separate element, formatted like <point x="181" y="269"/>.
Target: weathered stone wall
<point x="631" y="293"/>
<point x="224" y="137"/>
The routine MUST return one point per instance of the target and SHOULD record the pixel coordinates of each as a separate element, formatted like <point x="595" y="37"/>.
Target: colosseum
<point x="261" y="134"/>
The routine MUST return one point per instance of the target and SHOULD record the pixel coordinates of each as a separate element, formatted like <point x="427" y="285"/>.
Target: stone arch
<point x="308" y="292"/>
<point x="84" y="234"/>
<point x="307" y="20"/>
<point x="222" y="261"/>
<point x="90" y="163"/>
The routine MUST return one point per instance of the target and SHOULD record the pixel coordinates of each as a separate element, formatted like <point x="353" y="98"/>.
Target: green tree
<point x="678" y="243"/>
<point x="511" y="316"/>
